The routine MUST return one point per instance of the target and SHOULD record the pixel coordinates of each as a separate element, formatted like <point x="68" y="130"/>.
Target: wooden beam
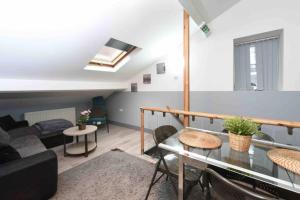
<point x="274" y="122"/>
<point x="186" y="72"/>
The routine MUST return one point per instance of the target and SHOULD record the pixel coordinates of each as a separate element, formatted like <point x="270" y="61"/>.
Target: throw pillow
<point x="7" y="122"/>
<point x="7" y="154"/>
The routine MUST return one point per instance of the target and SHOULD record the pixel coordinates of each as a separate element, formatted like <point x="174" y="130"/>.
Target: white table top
<point x="74" y="131"/>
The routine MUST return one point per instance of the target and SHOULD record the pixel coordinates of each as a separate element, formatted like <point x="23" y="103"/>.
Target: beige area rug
<point x="114" y="175"/>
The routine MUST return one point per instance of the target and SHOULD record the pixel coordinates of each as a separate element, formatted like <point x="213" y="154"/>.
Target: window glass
<point x="253" y="72"/>
<point x="112" y="53"/>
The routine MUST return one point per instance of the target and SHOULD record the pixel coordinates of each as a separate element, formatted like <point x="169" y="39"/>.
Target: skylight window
<point x="112" y="54"/>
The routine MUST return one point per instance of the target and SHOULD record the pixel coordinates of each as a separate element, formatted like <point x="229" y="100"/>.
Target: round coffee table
<point x="80" y="148"/>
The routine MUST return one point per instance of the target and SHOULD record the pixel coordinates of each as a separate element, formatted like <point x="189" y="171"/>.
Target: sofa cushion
<point x="4" y="138"/>
<point x="7" y="154"/>
<point x="53" y="125"/>
<point x="28" y="145"/>
<point x="20" y="132"/>
<point x="7" y="122"/>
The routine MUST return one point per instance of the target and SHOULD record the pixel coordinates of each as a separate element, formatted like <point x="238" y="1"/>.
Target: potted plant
<point x="83" y="119"/>
<point x="240" y="132"/>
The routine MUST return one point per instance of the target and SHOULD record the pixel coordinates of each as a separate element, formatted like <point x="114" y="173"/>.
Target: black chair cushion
<point x="7" y="122"/>
<point x="7" y="154"/>
<point x="163" y="132"/>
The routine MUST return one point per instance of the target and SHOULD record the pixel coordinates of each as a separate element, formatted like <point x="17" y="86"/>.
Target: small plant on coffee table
<point x="83" y="119"/>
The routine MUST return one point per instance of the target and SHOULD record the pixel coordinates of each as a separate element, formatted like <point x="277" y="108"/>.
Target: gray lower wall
<point x="16" y="104"/>
<point x="273" y="105"/>
<point x="123" y="107"/>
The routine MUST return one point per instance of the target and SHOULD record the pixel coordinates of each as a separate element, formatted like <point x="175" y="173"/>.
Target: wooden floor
<point x="122" y="138"/>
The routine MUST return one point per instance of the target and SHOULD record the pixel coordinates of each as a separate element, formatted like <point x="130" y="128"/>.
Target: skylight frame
<point x="118" y="59"/>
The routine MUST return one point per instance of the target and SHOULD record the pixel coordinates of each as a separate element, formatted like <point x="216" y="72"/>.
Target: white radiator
<point x="65" y="113"/>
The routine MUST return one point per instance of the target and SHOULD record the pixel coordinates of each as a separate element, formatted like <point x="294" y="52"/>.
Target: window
<point x="108" y="56"/>
<point x="256" y="61"/>
<point x="112" y="53"/>
<point x="253" y="72"/>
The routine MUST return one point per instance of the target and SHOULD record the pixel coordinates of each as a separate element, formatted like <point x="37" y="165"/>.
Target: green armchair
<point x="98" y="115"/>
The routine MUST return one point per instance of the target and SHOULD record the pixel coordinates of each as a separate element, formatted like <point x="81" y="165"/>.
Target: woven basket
<point x="239" y="142"/>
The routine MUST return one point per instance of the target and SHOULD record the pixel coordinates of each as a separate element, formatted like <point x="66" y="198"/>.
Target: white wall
<point x="211" y="65"/>
<point x="17" y="85"/>
<point x="170" y="81"/>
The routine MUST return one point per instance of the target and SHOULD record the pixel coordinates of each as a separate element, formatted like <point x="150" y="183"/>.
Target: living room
<point x="173" y="99"/>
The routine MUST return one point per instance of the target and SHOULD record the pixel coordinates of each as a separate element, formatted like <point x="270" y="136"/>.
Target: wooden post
<point x="186" y="72"/>
<point x="181" y="174"/>
<point x="142" y="131"/>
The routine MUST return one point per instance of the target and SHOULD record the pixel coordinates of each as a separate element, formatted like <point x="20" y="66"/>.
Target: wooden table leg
<point x="96" y="137"/>
<point x="180" y="178"/>
<point x="86" y="145"/>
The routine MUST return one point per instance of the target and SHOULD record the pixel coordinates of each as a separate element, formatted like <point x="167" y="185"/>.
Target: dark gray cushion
<point x="20" y="132"/>
<point x="53" y="125"/>
<point x="28" y="145"/>
<point x="4" y="138"/>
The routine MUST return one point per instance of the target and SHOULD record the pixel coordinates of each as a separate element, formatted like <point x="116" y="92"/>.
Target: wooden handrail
<point x="289" y="124"/>
<point x="273" y="122"/>
<point x="177" y="117"/>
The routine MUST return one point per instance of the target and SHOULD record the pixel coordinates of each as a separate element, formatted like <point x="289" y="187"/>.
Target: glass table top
<point x="254" y="163"/>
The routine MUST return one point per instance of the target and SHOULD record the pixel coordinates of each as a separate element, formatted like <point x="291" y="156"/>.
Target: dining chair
<point x="168" y="163"/>
<point x="224" y="189"/>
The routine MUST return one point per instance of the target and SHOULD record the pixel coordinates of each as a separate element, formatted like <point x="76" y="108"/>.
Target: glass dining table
<point x="254" y="164"/>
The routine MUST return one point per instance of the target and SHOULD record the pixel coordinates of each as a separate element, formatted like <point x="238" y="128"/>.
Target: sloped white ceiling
<point x="206" y="10"/>
<point x="55" y="39"/>
<point x="213" y="8"/>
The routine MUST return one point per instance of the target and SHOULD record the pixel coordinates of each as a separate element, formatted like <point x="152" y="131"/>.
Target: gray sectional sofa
<point x="50" y="132"/>
<point x="27" y="169"/>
